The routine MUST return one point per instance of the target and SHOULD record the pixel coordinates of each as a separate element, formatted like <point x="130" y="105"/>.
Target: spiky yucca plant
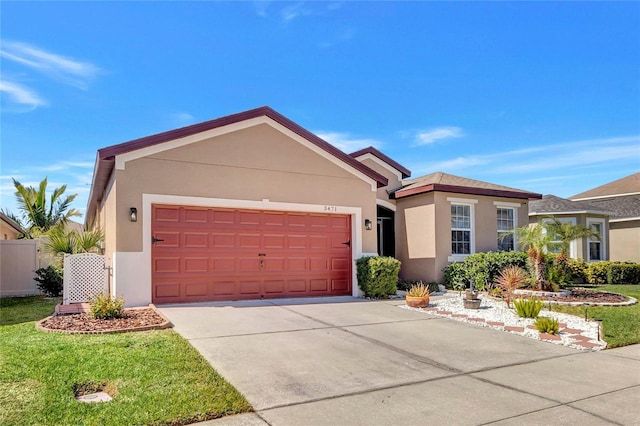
<point x="418" y="290"/>
<point x="511" y="278"/>
<point x="528" y="308"/>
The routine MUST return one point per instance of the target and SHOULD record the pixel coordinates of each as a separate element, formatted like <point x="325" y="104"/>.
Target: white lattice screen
<point x="85" y="276"/>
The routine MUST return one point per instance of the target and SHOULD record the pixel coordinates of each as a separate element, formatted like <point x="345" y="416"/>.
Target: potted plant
<point x="418" y="296"/>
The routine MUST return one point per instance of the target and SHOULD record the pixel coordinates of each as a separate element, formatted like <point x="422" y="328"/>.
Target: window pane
<point x="594" y="250"/>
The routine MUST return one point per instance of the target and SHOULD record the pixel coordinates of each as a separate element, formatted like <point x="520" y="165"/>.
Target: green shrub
<point x="482" y="268"/>
<point x="50" y="280"/>
<point x="623" y="273"/>
<point x="455" y="274"/>
<point x="597" y="272"/>
<point x="577" y="269"/>
<point x="547" y="325"/>
<point x="378" y="275"/>
<point x="528" y="308"/>
<point x="407" y="284"/>
<point x="103" y="306"/>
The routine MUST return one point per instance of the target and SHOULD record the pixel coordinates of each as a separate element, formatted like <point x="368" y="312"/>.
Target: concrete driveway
<point x="345" y="361"/>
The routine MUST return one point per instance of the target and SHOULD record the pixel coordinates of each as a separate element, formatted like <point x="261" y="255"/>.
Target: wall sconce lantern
<point x="368" y="225"/>
<point x="133" y="214"/>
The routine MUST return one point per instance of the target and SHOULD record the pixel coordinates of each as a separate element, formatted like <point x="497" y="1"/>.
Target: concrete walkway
<point x="345" y="361"/>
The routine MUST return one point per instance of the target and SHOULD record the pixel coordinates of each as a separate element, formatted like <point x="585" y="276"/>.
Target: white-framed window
<point x="555" y="245"/>
<point x="507" y="223"/>
<point x="596" y="247"/>
<point x="462" y="228"/>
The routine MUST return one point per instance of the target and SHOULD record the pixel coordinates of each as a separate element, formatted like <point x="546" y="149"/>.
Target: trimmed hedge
<point x="606" y="272"/>
<point x="482" y="268"/>
<point x="378" y="275"/>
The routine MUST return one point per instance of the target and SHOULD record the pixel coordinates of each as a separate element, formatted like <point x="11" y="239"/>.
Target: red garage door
<point x="203" y="254"/>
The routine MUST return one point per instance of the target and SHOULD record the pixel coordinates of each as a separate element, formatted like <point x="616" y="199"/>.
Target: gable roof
<point x="105" y="159"/>
<point x="12" y="223"/>
<point x="627" y="185"/>
<point x="550" y="204"/>
<point x="445" y="182"/>
<point x="371" y="150"/>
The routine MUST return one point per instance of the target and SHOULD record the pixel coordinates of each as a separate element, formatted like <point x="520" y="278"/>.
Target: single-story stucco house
<point x="9" y="228"/>
<point x="252" y="205"/>
<point x="576" y="213"/>
<point x="622" y="199"/>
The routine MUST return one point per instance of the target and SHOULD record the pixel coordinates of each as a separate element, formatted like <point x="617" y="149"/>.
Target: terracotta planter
<point x="417" y="301"/>
<point x="472" y="303"/>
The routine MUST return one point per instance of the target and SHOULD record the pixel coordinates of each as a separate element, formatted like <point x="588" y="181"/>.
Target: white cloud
<point x="430" y="136"/>
<point x="290" y="13"/>
<point x="346" y="142"/>
<point x="21" y="95"/>
<point x="182" y="119"/>
<point x="67" y="70"/>
<point x="345" y="35"/>
<point x="573" y="155"/>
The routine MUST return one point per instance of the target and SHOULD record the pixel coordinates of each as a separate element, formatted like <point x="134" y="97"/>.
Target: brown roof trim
<point x="12" y="223"/>
<point x="106" y="156"/>
<point x="464" y="190"/>
<point x="371" y="150"/>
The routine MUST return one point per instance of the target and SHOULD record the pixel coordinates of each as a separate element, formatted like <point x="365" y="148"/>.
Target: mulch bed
<point x="588" y="296"/>
<point x="134" y="320"/>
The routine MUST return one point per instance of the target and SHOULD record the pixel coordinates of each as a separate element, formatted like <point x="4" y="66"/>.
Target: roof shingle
<point x="550" y="204"/>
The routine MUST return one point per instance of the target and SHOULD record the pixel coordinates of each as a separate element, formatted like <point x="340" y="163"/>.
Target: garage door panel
<point x="339" y="285"/>
<point x="297" y="286"/>
<point x="274" y="286"/>
<point x="319" y="285"/>
<point x="223" y="217"/>
<point x="250" y="287"/>
<point x="196" y="216"/>
<point x="274" y="264"/>
<point x="249" y="241"/>
<point x="166" y="265"/>
<point x="223" y="240"/>
<point x="166" y="214"/>
<point x="195" y="289"/>
<point x="167" y="290"/>
<point x="196" y="239"/>
<point x="319" y="242"/>
<point x="230" y="254"/>
<point x="224" y="288"/>
<point x="169" y="238"/>
<point x="251" y="264"/>
<point x="224" y="264"/>
<point x="196" y="264"/>
<point x="275" y="241"/>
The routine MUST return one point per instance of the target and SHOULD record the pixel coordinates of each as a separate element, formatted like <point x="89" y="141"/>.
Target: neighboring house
<point x="252" y="205"/>
<point x="442" y="218"/>
<point x="576" y="213"/>
<point x="9" y="228"/>
<point x="622" y="199"/>
<point x="246" y="206"/>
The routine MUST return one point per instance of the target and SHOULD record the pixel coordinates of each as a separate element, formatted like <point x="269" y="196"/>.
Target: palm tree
<point x="39" y="217"/>
<point x="60" y="242"/>
<point x="565" y="233"/>
<point x="534" y="239"/>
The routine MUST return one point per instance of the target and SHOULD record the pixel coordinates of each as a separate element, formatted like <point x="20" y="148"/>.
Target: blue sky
<point x="541" y="96"/>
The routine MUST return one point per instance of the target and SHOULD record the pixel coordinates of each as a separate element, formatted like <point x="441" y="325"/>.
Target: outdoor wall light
<point x="368" y="225"/>
<point x="133" y="214"/>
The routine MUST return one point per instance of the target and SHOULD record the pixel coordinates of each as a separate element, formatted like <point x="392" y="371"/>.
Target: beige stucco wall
<point x="423" y="230"/>
<point x="392" y="176"/>
<point x="7" y="232"/>
<point x="624" y="241"/>
<point x="251" y="164"/>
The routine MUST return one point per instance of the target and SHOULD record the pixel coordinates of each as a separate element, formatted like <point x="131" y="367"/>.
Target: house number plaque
<point x="330" y="209"/>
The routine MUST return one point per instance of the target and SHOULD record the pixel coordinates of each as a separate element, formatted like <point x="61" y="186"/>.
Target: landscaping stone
<point x="546" y="336"/>
<point x="494" y="313"/>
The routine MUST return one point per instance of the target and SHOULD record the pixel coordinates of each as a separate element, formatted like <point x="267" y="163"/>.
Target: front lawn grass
<point x="156" y="377"/>
<point x="621" y="324"/>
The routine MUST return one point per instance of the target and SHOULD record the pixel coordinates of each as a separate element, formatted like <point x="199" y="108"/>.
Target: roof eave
<point x="404" y="172"/>
<point x="433" y="187"/>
